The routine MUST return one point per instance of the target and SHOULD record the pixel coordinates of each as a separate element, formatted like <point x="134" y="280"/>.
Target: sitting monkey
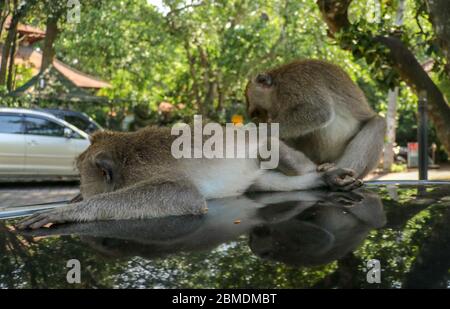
<point x="321" y="113"/>
<point x="134" y="175"/>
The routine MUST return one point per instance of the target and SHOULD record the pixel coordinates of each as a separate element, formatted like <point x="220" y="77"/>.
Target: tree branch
<point x="439" y="12"/>
<point x="334" y="12"/>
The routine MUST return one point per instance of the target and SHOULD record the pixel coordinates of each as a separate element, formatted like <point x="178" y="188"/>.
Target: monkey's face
<point x="99" y="172"/>
<point x="259" y="96"/>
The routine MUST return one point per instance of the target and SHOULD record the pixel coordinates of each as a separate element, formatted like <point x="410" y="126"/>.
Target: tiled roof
<point x="32" y="34"/>
<point x="32" y="57"/>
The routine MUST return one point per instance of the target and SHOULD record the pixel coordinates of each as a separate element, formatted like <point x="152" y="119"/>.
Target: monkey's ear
<point x="99" y="135"/>
<point x="105" y="163"/>
<point x="264" y="80"/>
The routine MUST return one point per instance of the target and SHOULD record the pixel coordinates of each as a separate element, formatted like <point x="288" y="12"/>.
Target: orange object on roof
<point x="165" y="107"/>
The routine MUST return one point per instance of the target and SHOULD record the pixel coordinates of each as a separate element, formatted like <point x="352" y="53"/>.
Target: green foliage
<point x="360" y="37"/>
<point x="152" y="56"/>
<point x="202" y="53"/>
<point x="397" y="168"/>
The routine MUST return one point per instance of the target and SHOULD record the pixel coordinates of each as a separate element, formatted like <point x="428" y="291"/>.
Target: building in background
<point x="31" y="57"/>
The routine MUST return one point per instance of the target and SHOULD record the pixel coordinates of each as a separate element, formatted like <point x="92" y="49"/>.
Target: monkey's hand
<point x="325" y="167"/>
<point x="339" y="179"/>
<point x="40" y="219"/>
<point x="54" y="216"/>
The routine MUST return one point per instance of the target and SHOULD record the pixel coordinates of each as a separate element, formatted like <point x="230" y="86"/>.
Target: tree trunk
<point x="4" y="13"/>
<point x="209" y="84"/>
<point x="51" y="33"/>
<point x="415" y="77"/>
<point x="209" y="98"/>
<point x="18" y="14"/>
<point x="193" y="72"/>
<point x="391" y="121"/>
<point x="10" y="79"/>
<point x="391" y="125"/>
<point x="220" y="97"/>
<point x="439" y="12"/>
<point x="7" y="46"/>
<point x="334" y="12"/>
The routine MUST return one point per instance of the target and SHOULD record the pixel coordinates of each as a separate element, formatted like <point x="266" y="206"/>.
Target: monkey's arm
<point x="363" y="151"/>
<point x="144" y="200"/>
<point x="305" y="115"/>
<point x="293" y="162"/>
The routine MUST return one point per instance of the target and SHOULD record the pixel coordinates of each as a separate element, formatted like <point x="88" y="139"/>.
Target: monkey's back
<point x="317" y="77"/>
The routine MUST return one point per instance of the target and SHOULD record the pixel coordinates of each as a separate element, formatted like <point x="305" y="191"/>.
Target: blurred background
<point x="69" y="68"/>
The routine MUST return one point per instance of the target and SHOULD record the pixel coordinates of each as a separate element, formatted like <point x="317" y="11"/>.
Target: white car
<point x="37" y="145"/>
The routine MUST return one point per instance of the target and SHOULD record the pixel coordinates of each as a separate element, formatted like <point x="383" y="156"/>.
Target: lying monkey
<point x="134" y="175"/>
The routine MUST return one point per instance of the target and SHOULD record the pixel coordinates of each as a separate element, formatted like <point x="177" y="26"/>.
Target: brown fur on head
<point x="116" y="159"/>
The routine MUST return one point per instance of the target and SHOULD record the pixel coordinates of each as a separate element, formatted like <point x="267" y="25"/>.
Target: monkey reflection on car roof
<point x="297" y="228"/>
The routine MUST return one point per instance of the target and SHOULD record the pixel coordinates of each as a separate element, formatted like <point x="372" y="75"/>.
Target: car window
<point x="41" y="126"/>
<point x="77" y="136"/>
<point x="78" y="122"/>
<point x="10" y="124"/>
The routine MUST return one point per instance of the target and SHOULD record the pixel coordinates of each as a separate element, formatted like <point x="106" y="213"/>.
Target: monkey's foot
<point x="39" y="220"/>
<point x="76" y="199"/>
<point x="341" y="179"/>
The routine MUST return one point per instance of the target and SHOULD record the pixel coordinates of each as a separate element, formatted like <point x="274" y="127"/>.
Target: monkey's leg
<point x="363" y="152"/>
<point x="144" y="200"/>
<point x="293" y="162"/>
<point x="275" y="181"/>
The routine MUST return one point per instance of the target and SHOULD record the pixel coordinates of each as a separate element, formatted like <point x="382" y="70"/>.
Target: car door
<point x="12" y="144"/>
<point x="48" y="151"/>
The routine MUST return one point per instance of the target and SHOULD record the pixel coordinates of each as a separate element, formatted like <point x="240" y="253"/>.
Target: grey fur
<point x="134" y="176"/>
<point x="321" y="113"/>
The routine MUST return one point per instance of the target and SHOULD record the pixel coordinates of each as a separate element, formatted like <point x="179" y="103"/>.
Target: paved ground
<point x="443" y="173"/>
<point x="29" y="194"/>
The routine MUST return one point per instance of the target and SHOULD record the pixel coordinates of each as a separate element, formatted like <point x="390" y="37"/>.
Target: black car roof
<point x="64" y="112"/>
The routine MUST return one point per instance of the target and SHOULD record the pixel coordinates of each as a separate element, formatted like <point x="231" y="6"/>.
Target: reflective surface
<point x="309" y="239"/>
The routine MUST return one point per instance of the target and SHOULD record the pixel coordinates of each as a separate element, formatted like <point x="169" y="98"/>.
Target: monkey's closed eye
<point x="105" y="166"/>
<point x="107" y="175"/>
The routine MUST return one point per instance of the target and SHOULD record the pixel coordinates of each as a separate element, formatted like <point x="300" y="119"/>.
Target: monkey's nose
<point x="259" y="115"/>
<point x="264" y="79"/>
